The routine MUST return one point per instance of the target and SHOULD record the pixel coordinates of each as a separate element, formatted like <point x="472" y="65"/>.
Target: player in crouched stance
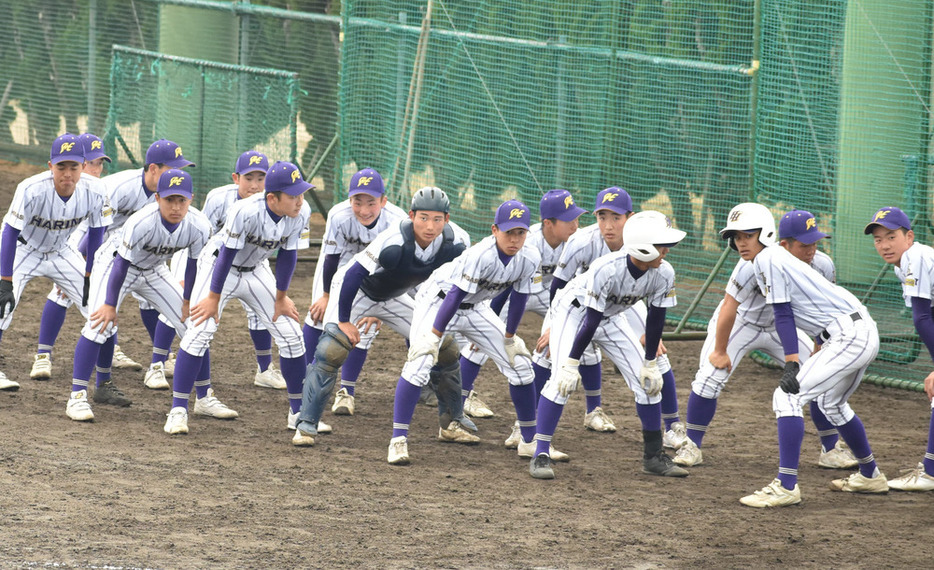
<point x="589" y="309"/>
<point x="841" y="325"/>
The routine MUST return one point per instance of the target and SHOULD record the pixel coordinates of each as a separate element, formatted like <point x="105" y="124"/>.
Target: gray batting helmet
<point x="431" y="198"/>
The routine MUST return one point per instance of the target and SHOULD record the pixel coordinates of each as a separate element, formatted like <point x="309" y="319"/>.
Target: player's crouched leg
<point x="320" y="376"/>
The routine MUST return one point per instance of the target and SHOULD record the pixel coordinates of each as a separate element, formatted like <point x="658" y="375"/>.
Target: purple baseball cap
<point x="512" y="214"/>
<point x="67" y="148"/>
<point x="252" y="161"/>
<point x="166" y="152"/>
<point x="174" y="182"/>
<point x="286" y="177"/>
<point x="93" y="147"/>
<point x="800" y="225"/>
<point x="890" y="218"/>
<point x="614" y="199"/>
<point x="559" y="204"/>
<point x="366" y="181"/>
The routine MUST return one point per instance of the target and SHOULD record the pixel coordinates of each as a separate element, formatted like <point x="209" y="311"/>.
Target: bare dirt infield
<point x="120" y="492"/>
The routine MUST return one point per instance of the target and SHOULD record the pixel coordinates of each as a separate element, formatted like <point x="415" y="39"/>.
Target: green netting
<point x="213" y="111"/>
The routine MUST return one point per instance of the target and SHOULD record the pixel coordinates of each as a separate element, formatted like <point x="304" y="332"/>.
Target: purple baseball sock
<point x="187" y="366"/>
<point x="150" y="321"/>
<point x="790" y="436"/>
<point x="700" y="413"/>
<point x="162" y="342"/>
<point x="469" y="372"/>
<point x="854" y="434"/>
<point x="311" y="335"/>
<point x="929" y="456"/>
<point x="523" y="399"/>
<point x="403" y="407"/>
<point x="262" y="342"/>
<point x="293" y="370"/>
<point x="86" y="352"/>
<point x="351" y="368"/>
<point x="203" y="379"/>
<point x="542" y="375"/>
<point x="592" y="381"/>
<point x="105" y="360"/>
<point x="826" y="430"/>
<point x="53" y="317"/>
<point x="650" y="415"/>
<point x="669" y="399"/>
<point x="547" y="422"/>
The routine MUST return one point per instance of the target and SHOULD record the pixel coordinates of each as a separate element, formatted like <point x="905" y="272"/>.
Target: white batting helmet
<point x="748" y="217"/>
<point x="646" y="231"/>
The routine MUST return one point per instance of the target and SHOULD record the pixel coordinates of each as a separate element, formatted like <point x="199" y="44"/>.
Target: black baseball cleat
<point x="662" y="465"/>
<point x="107" y="393"/>
<point x="540" y="467"/>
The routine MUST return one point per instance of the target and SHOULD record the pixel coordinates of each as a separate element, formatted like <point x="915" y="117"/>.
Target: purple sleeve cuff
<point x="191" y="272"/>
<point x="8" y="249"/>
<point x="924" y="322"/>
<point x="352" y="280"/>
<point x="517" y="302"/>
<point x="451" y="303"/>
<point x="785" y="327"/>
<point x="654" y="325"/>
<point x="95" y="238"/>
<point x="556" y="285"/>
<point x="285" y="268"/>
<point x="585" y="332"/>
<point x="115" y="282"/>
<point x="328" y="269"/>
<point x="499" y="301"/>
<point x="222" y="267"/>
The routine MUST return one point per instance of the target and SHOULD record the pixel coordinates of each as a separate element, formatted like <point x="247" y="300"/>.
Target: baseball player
<point x="134" y="261"/>
<point x="351" y="226"/>
<point x="128" y="191"/>
<point x="375" y="284"/>
<point x="46" y="209"/>
<point x="589" y="310"/>
<point x="743" y="322"/>
<point x="914" y="266"/>
<point x="248" y="178"/>
<point x="452" y="301"/>
<point x="801" y="297"/>
<point x="231" y="267"/>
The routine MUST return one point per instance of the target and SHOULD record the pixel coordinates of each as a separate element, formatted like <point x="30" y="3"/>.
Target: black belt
<point x="575" y="303"/>
<point x="462" y="306"/>
<point x="825" y="335"/>
<point x="240" y="268"/>
<point x="22" y="240"/>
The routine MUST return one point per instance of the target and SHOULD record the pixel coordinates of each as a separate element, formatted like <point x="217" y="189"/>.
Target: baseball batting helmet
<point x="431" y="198"/>
<point x="747" y="217"/>
<point x="646" y="231"/>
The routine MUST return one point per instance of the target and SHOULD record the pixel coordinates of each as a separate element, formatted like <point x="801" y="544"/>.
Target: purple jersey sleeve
<point x="222" y="267"/>
<point x="450" y="305"/>
<point x="191" y="272"/>
<point x="517" y="302"/>
<point x="924" y="322"/>
<point x="95" y="238"/>
<point x="352" y="280"/>
<point x="556" y="285"/>
<point x="585" y="332"/>
<point x="8" y="249"/>
<point x="285" y="267"/>
<point x="328" y="269"/>
<point x="654" y="325"/>
<point x="115" y="282"/>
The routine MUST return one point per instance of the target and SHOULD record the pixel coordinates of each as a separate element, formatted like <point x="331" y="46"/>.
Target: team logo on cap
<point x="295" y="175"/>
<point x="255" y="159"/>
<point x="66" y="146"/>
<point x="175" y="181"/>
<point x="568" y="202"/>
<point x="810" y="223"/>
<point x="881" y="214"/>
<point x="364" y="181"/>
<point x="516" y="213"/>
<point x="178" y="151"/>
<point x="667" y="221"/>
<point x="96" y="145"/>
<point x="610" y="196"/>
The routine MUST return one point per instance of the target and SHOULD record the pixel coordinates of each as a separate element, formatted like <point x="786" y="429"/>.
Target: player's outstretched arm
<point x="106" y="314"/>
<point x="726" y="318"/>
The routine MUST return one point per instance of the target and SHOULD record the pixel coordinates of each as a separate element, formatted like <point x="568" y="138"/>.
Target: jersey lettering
<point x="265" y="243"/>
<point x="40" y="222"/>
<point x="161" y="249"/>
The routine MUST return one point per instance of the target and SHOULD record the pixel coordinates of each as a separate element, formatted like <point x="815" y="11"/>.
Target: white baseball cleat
<point x="155" y="377"/>
<point x="398" y="451"/>
<point x="475" y="407"/>
<point x="303" y="439"/>
<point x="857" y="483"/>
<point x="7" y="384"/>
<point x="121" y="360"/>
<point x="170" y="365"/>
<point x="212" y="407"/>
<point x="269" y="378"/>
<point x="515" y="437"/>
<point x="528" y="450"/>
<point x="324" y="428"/>
<point x="913" y="480"/>
<point x="689" y="455"/>
<point x="773" y="495"/>
<point x="41" y="367"/>
<point x="676" y="436"/>
<point x="343" y="403"/>
<point x="456" y="433"/>
<point x="840" y="457"/>
<point x="177" y="422"/>
<point x="597" y="420"/>
<point x="78" y="407"/>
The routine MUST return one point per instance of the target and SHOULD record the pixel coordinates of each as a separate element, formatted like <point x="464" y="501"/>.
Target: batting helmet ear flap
<point x="748" y="217"/>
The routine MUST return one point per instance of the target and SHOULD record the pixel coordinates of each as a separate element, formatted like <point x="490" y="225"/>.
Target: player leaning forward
<point x="231" y="267"/>
<point x="589" y="309"/>
<point x="46" y="209"/>
<point x="133" y="262"/>
<point x="849" y="341"/>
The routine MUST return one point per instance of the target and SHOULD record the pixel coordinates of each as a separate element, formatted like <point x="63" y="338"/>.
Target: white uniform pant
<point x="614" y="336"/>
<point x="257" y="289"/>
<point x="396" y="312"/>
<point x="64" y="267"/>
<point x="833" y="373"/>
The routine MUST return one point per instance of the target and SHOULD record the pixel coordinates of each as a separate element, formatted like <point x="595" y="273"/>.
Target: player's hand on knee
<point x="929" y="386"/>
<point x="186" y="309"/>
<point x="650" y="378"/>
<point x="203" y="310"/>
<point x="543" y="341"/>
<point x="285" y="307"/>
<point x="318" y="307"/>
<point x="428" y="343"/>
<point x="789" y="382"/>
<point x="352" y="332"/>
<point x="102" y="317"/>
<point x="515" y="346"/>
<point x="365" y="323"/>
<point x="568" y="376"/>
<point x="7" y="298"/>
<point x="720" y="360"/>
<point x="87" y="291"/>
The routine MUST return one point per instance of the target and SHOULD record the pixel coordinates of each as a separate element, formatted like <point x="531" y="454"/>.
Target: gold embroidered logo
<point x="175" y="181"/>
<point x="516" y="213"/>
<point x="364" y="181"/>
<point x="295" y="175"/>
<point x="810" y="223"/>
<point x="568" y="202"/>
<point x="96" y="145"/>
<point x="610" y="196"/>
<point x="881" y="214"/>
<point x="66" y="146"/>
<point x="255" y="160"/>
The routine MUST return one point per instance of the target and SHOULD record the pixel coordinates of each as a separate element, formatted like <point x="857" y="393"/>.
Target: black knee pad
<point x="333" y="347"/>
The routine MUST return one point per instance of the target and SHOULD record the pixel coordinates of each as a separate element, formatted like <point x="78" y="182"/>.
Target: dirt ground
<point x="121" y="493"/>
